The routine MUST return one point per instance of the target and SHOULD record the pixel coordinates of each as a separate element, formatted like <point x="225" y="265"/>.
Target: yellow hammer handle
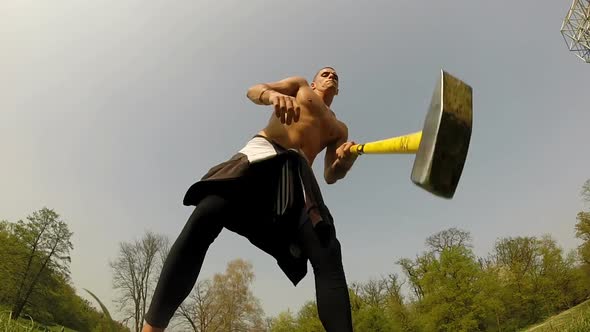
<point x="401" y="144"/>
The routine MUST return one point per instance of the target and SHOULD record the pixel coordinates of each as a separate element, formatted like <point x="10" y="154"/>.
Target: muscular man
<point x="267" y="193"/>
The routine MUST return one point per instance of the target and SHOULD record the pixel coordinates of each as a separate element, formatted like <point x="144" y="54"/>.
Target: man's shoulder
<point x="341" y="128"/>
<point x="300" y="80"/>
<point x="339" y="123"/>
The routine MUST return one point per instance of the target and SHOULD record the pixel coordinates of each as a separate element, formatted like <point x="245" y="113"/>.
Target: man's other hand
<point x="286" y="108"/>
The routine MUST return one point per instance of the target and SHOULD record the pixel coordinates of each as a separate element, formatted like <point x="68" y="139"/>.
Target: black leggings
<point x="183" y="264"/>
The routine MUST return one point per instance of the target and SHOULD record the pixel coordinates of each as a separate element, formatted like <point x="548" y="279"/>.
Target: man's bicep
<point x="343" y="137"/>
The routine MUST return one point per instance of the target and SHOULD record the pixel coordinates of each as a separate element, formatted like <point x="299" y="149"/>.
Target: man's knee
<point x="334" y="249"/>
<point x="327" y="259"/>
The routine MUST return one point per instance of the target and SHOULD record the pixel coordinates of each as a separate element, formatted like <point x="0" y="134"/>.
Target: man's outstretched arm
<point x="260" y="94"/>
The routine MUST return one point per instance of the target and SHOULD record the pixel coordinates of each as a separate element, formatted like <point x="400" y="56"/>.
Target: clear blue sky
<point x="109" y="110"/>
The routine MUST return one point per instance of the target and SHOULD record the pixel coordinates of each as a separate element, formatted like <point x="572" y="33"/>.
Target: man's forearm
<point x="259" y="94"/>
<point x="332" y="176"/>
<point x="337" y="171"/>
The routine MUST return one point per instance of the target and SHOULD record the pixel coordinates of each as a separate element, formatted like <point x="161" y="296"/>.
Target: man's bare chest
<point x="318" y="125"/>
<point x="314" y="107"/>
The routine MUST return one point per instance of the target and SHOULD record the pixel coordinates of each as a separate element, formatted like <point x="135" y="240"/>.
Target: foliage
<point x="34" y="274"/>
<point x="308" y="319"/>
<point x="583" y="233"/>
<point x="585" y="193"/>
<point x="8" y="323"/>
<point x="224" y="303"/>
<point x="523" y="281"/>
<point x="46" y="239"/>
<point x="284" y="322"/>
<point x="240" y="309"/>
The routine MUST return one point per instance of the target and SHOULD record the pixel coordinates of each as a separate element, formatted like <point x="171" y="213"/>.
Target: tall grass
<point x="580" y="323"/>
<point x="102" y="306"/>
<point x="576" y="319"/>
<point x="104" y="310"/>
<point x="7" y="324"/>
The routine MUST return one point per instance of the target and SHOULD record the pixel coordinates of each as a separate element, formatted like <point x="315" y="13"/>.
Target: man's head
<point x="326" y="80"/>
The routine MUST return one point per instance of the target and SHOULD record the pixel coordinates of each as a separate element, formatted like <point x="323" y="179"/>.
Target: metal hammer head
<point x="445" y="137"/>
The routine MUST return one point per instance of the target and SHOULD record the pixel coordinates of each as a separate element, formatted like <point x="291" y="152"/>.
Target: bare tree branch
<point x="134" y="277"/>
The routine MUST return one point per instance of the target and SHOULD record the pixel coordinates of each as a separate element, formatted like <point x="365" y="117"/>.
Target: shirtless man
<point x="302" y="121"/>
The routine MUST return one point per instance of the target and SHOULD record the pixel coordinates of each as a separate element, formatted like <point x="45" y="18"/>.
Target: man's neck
<point x="326" y="97"/>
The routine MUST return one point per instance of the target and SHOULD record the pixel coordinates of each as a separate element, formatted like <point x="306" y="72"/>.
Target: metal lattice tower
<point x="576" y="29"/>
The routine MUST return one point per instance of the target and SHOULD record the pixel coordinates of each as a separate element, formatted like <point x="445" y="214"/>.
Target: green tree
<point x="451" y="289"/>
<point x="489" y="298"/>
<point x="11" y="253"/>
<point x="240" y="310"/>
<point x="583" y="226"/>
<point x="374" y="318"/>
<point x="47" y="242"/>
<point x="447" y="280"/>
<point x="308" y="319"/>
<point x="53" y="301"/>
<point x="395" y="305"/>
<point x="377" y="305"/>
<point x="284" y="322"/>
<point x="519" y="264"/>
<point x="538" y="279"/>
<point x="415" y="271"/>
<point x="583" y="233"/>
<point x="585" y="193"/>
<point x="555" y="277"/>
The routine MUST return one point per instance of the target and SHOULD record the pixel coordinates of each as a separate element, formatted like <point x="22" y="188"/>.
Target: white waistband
<point x="258" y="148"/>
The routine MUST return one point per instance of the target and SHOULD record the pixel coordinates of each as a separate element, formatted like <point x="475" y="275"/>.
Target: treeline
<point x="447" y="287"/>
<point x="522" y="281"/>
<point x="35" y="275"/>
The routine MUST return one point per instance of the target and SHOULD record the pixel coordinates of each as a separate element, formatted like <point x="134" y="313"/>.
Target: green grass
<point x="20" y="325"/>
<point x="26" y="324"/>
<point x="576" y="319"/>
<point x="29" y="325"/>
